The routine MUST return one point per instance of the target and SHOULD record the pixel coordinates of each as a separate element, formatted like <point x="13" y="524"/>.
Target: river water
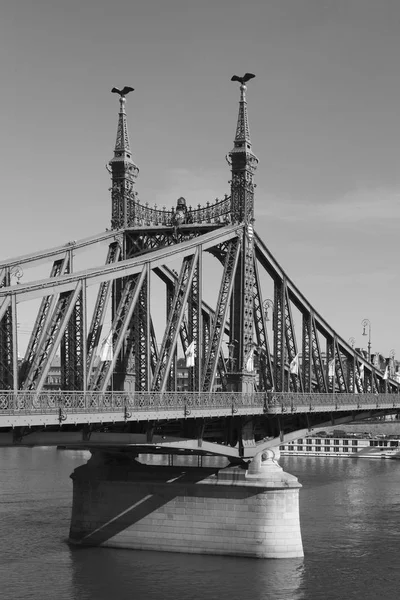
<point x="350" y="518"/>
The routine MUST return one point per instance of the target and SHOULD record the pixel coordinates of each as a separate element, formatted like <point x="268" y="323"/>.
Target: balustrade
<point x="48" y="402"/>
<point x="142" y="215"/>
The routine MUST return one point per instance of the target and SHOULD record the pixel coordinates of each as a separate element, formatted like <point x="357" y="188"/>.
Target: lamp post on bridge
<point x="367" y="323"/>
<point x="392" y="354"/>
<point x="267" y="304"/>
<point x="352" y="341"/>
<point x="231" y="350"/>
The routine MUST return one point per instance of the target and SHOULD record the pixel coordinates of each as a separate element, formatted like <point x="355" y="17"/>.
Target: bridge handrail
<point x="144" y="215"/>
<point x="292" y="400"/>
<point x="50" y="401"/>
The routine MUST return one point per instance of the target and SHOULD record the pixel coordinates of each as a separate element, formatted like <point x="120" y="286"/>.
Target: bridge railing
<point x="143" y="215"/>
<point x="312" y="402"/>
<point x="48" y="402"/>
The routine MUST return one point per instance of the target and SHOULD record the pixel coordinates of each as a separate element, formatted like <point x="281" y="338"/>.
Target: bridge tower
<point x="144" y="229"/>
<point x="243" y="163"/>
<point x="124" y="173"/>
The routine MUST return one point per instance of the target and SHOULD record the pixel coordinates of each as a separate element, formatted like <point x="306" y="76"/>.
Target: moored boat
<point x="340" y="444"/>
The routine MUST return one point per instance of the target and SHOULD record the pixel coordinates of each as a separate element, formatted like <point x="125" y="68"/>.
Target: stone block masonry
<point x="121" y="503"/>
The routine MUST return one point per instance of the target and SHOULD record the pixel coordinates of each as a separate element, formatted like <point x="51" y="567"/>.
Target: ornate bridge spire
<point x="242" y="129"/>
<point x="123" y="169"/>
<point x="243" y="163"/>
<point x="242" y="160"/>
<point x="122" y="142"/>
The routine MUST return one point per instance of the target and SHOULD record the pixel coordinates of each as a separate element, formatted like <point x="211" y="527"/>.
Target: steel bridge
<point x="248" y="383"/>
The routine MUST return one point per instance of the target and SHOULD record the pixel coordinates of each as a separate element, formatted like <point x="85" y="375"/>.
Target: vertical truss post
<point x="279" y="334"/>
<point x="127" y="374"/>
<point x="138" y="353"/>
<point x="148" y="329"/>
<point x="207" y="326"/>
<point x="267" y="376"/>
<point x="153" y="348"/>
<point x="72" y="350"/>
<point x="318" y="364"/>
<point x="120" y="325"/>
<point x="218" y="327"/>
<point x="194" y="325"/>
<point x="307" y="352"/>
<point x="168" y="347"/>
<point x="330" y="355"/>
<point x="84" y="336"/>
<point x="295" y="381"/>
<point x="14" y="320"/>
<point x="172" y="373"/>
<point x="351" y="378"/>
<point x="99" y="312"/>
<point x="339" y="369"/>
<point x="43" y="319"/>
<point x="52" y="338"/>
<point x="199" y="345"/>
<point x="242" y="315"/>
<point x="6" y="338"/>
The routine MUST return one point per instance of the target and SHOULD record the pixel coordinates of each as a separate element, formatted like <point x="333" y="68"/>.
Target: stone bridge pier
<point x="240" y="510"/>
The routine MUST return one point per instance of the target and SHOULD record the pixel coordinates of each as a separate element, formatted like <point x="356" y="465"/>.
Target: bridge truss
<point x="104" y="322"/>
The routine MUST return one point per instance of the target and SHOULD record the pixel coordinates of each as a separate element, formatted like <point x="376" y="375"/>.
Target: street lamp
<point x="352" y="341"/>
<point x="367" y="323"/>
<point x="392" y="354"/>
<point x="231" y="350"/>
<point x="267" y="304"/>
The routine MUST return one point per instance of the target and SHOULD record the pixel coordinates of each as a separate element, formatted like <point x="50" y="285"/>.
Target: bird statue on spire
<point x="122" y="92"/>
<point x="243" y="80"/>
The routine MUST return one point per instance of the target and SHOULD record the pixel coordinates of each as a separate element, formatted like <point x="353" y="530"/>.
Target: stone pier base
<point x="235" y="511"/>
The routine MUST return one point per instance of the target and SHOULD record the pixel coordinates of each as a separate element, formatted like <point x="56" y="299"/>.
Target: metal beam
<point x="221" y="314"/>
<point x="124" y="268"/>
<point x="174" y="322"/>
<point x="52" y="343"/>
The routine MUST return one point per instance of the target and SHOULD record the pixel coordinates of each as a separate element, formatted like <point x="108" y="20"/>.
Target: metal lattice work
<point x="141" y="339"/>
<point x="279" y="336"/>
<point x="6" y="337"/>
<point x="174" y="322"/>
<point x="51" y="339"/>
<point x="307" y="351"/>
<point x="45" y="311"/>
<point x="266" y="369"/>
<point x="221" y="314"/>
<point x="142" y="215"/>
<point x="119" y="327"/>
<point x="295" y="381"/>
<point x="72" y="350"/>
<point x="102" y="302"/>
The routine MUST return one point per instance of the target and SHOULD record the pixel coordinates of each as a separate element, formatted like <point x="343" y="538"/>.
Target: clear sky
<point x="324" y="116"/>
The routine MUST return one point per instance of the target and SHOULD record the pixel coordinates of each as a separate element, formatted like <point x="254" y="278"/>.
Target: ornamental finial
<point x="124" y="91"/>
<point x="122" y="142"/>
<point x="242" y="128"/>
<point x="123" y="170"/>
<point x="242" y="142"/>
<point x="243" y="80"/>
